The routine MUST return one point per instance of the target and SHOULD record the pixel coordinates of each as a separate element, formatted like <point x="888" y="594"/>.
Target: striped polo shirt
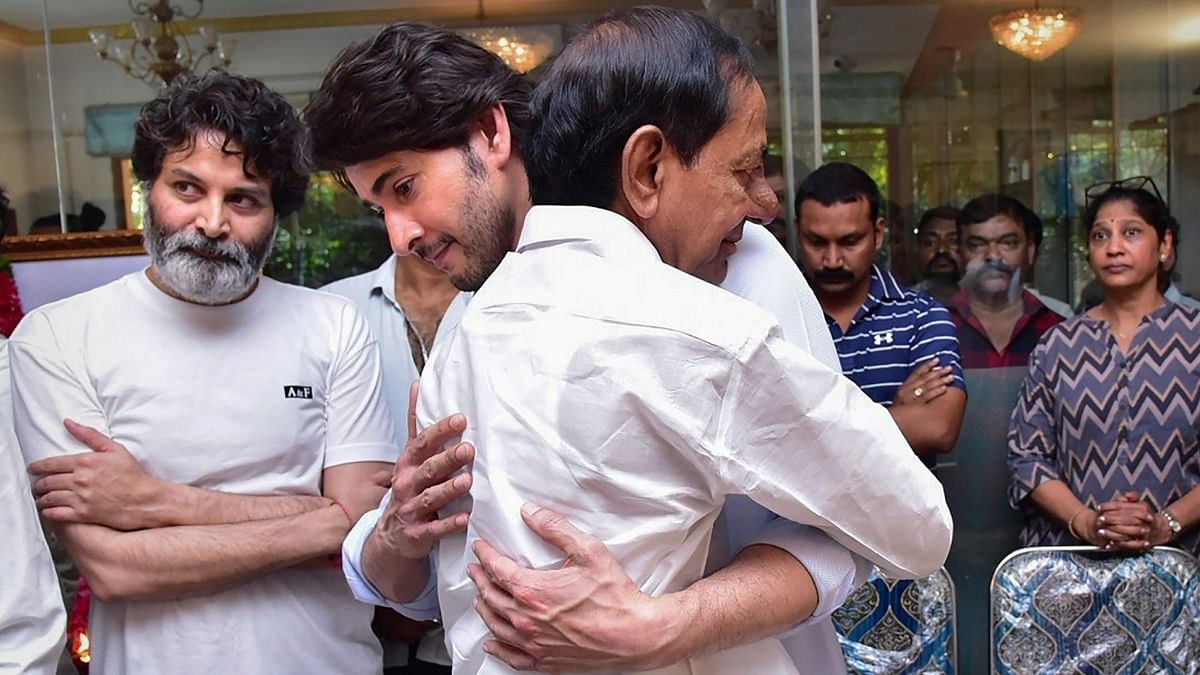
<point x="896" y="330"/>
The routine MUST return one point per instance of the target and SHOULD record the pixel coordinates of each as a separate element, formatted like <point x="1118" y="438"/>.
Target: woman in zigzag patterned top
<point x="1102" y="447"/>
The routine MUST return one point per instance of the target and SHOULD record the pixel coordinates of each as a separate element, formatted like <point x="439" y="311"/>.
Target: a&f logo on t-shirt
<point x="297" y="391"/>
<point x="883" y="338"/>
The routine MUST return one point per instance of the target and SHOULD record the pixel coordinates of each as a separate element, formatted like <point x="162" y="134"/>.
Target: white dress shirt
<point x="761" y="271"/>
<point x="374" y="293"/>
<point x="32" y="618"/>
<point x="633" y="398"/>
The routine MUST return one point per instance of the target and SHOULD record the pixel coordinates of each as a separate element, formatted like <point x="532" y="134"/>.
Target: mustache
<point x="227" y="251"/>
<point x="998" y="266"/>
<point x="833" y="275"/>
<point x="425" y="250"/>
<point x="942" y="258"/>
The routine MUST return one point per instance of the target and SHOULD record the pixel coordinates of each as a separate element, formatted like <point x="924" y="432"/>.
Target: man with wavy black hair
<point x="380" y="112"/>
<point x="201" y="437"/>
<point x="613" y="418"/>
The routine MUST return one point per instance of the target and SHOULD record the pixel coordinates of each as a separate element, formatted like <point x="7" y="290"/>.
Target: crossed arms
<point x="137" y="537"/>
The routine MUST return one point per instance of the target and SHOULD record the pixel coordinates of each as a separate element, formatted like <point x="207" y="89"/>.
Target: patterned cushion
<point x="892" y="626"/>
<point x="1080" y="610"/>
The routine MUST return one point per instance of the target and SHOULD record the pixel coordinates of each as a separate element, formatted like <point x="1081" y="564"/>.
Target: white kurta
<point x="759" y="271"/>
<point x="633" y="398"/>
<point x="32" y="618"/>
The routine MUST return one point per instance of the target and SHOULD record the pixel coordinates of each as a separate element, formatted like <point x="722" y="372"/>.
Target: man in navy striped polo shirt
<point x="898" y="345"/>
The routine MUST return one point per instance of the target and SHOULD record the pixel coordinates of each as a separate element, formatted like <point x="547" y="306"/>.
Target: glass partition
<point x="922" y="97"/>
<point x="27" y="167"/>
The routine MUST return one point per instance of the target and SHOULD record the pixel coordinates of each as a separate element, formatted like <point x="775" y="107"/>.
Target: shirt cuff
<point x="422" y="608"/>
<point x="835" y="571"/>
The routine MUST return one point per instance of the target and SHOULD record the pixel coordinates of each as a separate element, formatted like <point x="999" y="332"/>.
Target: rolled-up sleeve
<point x="422" y="608"/>
<point x="835" y="571"/>
<point x="1032" y="439"/>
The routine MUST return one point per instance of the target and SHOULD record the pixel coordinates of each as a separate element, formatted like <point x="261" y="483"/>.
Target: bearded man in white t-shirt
<point x="203" y="438"/>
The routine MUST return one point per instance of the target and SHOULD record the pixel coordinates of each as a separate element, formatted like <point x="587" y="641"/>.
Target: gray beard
<point x="200" y="280"/>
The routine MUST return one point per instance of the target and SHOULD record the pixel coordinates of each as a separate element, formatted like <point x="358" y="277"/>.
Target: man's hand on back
<point x="586" y="616"/>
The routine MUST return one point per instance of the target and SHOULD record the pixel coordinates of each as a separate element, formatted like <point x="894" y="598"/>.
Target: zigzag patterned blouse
<point x="1105" y="422"/>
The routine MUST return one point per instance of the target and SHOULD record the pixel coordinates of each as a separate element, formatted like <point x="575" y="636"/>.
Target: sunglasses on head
<point x="1135" y="183"/>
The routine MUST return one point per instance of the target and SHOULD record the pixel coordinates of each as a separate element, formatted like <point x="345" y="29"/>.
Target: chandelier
<point x="1036" y="33"/>
<point x="159" y="51"/>
<point x="521" y="49"/>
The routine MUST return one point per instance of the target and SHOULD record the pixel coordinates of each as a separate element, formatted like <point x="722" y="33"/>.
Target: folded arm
<point x="108" y="487"/>
<point x="173" y="562"/>
<point x="932" y="427"/>
<point x="182" y="561"/>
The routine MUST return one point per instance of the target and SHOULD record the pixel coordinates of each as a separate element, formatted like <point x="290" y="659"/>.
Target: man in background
<point x="999" y="321"/>
<point x="897" y="345"/>
<point x="411" y="136"/>
<point x="937" y="253"/>
<point x="203" y="437"/>
<point x="409" y="305"/>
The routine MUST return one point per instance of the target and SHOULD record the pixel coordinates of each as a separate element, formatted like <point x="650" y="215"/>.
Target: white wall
<point x="14" y="130"/>
<point x="25" y="140"/>
<point x="42" y="175"/>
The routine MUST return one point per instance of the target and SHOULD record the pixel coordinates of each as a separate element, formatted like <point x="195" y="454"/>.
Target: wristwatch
<point x="1173" y="524"/>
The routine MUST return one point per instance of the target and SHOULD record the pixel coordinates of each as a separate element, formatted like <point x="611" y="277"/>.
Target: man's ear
<point x="492" y="140"/>
<point x="880" y="233"/>
<point x="643" y="168"/>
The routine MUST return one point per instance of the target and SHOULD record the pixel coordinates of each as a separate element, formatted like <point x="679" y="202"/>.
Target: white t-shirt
<point x="258" y="397"/>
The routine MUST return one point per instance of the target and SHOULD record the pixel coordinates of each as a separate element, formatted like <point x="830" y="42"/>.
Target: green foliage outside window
<point x="332" y="237"/>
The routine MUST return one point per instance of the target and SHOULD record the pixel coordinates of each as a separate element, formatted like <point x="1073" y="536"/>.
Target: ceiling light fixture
<point x="522" y="49"/>
<point x="159" y="51"/>
<point x="1036" y="33"/>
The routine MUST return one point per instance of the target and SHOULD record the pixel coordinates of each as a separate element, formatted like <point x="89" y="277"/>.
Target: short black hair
<point x="1149" y="207"/>
<point x="412" y="86"/>
<point x="937" y="213"/>
<point x="271" y="139"/>
<point x="985" y="207"/>
<point x="839" y="183"/>
<point x="647" y="65"/>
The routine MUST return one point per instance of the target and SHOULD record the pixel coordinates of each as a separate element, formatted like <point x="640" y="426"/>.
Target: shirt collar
<point x="600" y="232"/>
<point x="383" y="279"/>
<point x="884" y="285"/>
